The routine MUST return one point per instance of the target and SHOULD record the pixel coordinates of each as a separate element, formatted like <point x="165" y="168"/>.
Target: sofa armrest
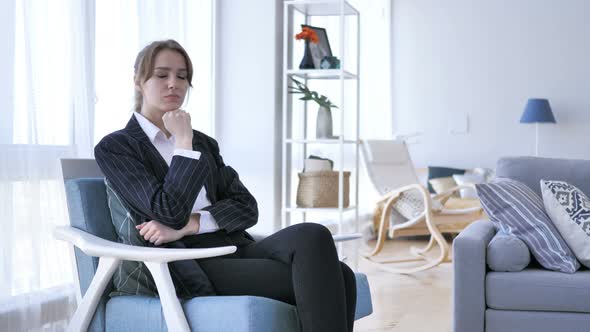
<point x="469" y="270"/>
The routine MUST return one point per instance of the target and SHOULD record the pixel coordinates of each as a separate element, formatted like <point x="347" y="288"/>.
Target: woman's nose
<point x="172" y="82"/>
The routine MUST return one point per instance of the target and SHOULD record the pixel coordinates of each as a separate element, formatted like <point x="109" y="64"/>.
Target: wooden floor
<point x="408" y="303"/>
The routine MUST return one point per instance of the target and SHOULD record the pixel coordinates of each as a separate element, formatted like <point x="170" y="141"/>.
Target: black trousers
<point x="298" y="265"/>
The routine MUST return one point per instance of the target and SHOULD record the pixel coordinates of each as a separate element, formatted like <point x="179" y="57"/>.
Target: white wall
<point x="484" y="59"/>
<point x="248" y="117"/>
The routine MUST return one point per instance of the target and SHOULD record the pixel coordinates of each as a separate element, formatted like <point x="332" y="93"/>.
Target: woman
<point x="175" y="180"/>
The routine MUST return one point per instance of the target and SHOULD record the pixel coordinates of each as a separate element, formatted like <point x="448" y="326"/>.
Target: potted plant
<point x="324" y="119"/>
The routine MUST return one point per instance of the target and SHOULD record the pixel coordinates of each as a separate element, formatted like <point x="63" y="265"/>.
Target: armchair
<point x="98" y="255"/>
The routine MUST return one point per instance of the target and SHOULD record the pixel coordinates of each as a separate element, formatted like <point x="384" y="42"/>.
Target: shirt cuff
<point x="187" y="153"/>
<point x="207" y="223"/>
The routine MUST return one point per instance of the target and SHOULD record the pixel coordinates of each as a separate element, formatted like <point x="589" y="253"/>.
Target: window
<point x="70" y="82"/>
<point x="123" y="28"/>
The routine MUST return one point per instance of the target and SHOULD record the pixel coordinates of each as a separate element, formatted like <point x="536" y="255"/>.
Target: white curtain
<point x="68" y="81"/>
<point x="123" y="28"/>
<point x="45" y="118"/>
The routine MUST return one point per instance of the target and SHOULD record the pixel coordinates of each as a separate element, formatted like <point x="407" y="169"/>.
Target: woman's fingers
<point x="156" y="233"/>
<point x="154" y="237"/>
<point x="148" y="232"/>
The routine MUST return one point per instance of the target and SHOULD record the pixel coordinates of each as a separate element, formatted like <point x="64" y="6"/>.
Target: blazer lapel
<point x="134" y="130"/>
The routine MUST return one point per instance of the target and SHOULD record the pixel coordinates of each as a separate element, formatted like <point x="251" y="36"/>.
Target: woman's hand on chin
<point x="157" y="233"/>
<point x="178" y="123"/>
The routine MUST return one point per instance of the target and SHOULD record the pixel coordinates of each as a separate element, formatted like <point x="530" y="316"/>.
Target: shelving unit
<point x="292" y="143"/>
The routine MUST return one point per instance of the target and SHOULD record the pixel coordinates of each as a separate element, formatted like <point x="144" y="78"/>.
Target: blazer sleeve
<point x="170" y="201"/>
<point x="235" y="208"/>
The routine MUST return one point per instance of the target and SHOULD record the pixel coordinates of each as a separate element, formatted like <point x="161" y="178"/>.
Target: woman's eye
<point x="161" y="75"/>
<point x="181" y="77"/>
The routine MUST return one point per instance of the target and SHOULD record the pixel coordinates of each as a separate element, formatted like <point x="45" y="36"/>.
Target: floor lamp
<point x="537" y="111"/>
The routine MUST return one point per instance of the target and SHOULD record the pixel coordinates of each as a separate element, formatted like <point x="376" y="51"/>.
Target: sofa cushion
<point x="517" y="210"/>
<point x="507" y="253"/>
<point x="206" y="313"/>
<point x="569" y="209"/>
<point x="469" y="179"/>
<point x="539" y="290"/>
<point x="530" y="170"/>
<point x="364" y="307"/>
<point x="537" y="321"/>
<point x="248" y="313"/>
<point x="441" y="185"/>
<point x="441" y="172"/>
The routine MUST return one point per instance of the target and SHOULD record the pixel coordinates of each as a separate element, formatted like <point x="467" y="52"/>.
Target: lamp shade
<point x="537" y="110"/>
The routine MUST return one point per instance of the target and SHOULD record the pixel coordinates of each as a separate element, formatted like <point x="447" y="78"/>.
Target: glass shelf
<point x="323" y="210"/>
<point x="320" y="141"/>
<point x="322" y="7"/>
<point x="327" y="74"/>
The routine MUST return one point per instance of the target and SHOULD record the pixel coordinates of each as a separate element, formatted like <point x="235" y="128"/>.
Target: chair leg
<point x="419" y="253"/>
<point x="382" y="231"/>
<point x="87" y="307"/>
<point x="173" y="313"/>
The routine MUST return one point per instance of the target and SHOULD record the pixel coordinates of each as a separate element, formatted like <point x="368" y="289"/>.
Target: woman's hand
<point x="178" y="123"/>
<point x="157" y="233"/>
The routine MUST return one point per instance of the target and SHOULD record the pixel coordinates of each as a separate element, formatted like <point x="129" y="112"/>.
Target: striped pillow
<point x="516" y="209"/>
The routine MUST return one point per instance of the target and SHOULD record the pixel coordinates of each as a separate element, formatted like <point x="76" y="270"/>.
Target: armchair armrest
<point x="110" y="255"/>
<point x="469" y="270"/>
<point x="95" y="246"/>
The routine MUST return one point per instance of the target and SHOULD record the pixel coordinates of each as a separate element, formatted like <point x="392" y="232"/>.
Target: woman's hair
<point x="145" y="61"/>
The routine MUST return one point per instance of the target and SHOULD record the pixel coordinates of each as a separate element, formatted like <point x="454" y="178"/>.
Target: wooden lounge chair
<point x="392" y="173"/>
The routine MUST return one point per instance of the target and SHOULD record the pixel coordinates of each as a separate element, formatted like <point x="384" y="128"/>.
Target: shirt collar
<point x="150" y="129"/>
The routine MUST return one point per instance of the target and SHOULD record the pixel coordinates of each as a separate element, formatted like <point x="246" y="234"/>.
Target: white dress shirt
<point x="165" y="147"/>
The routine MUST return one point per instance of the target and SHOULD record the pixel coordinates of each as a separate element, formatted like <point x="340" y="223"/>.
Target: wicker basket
<point x="320" y="189"/>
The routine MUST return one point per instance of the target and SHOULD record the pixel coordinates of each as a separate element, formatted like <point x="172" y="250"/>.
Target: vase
<point x="324" y="123"/>
<point x="307" y="61"/>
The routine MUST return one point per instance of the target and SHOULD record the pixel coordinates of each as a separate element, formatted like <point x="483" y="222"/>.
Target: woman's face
<point x="166" y="89"/>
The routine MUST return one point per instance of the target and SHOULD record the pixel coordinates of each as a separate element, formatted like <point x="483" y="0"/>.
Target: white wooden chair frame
<point x="110" y="256"/>
<point x="430" y="217"/>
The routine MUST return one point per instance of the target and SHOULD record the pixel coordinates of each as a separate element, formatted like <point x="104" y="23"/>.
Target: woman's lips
<point x="172" y="98"/>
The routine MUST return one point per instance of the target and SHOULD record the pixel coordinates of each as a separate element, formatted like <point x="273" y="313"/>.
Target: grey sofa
<point x="533" y="299"/>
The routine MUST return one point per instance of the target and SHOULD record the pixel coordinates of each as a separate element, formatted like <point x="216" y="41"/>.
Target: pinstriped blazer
<point x="155" y="191"/>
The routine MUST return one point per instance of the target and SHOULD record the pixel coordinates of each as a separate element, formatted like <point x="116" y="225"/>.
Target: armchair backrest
<point x="88" y="210"/>
<point x="530" y="171"/>
<point x="389" y="165"/>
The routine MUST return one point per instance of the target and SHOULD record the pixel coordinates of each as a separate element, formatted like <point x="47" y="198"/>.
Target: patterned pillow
<point x="134" y="278"/>
<point x="569" y="209"/>
<point x="131" y="278"/>
<point x="516" y="209"/>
